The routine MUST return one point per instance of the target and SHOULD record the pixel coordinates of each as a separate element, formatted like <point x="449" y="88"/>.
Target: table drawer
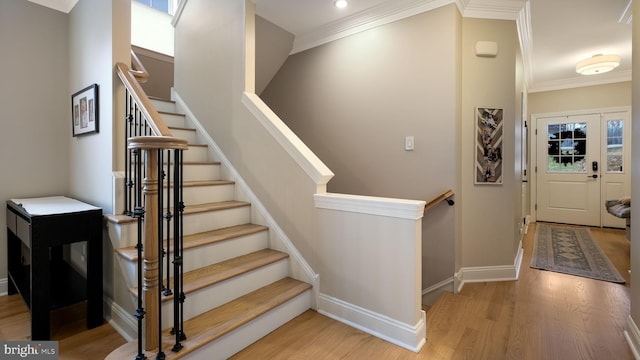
<point x="23" y="230"/>
<point x="11" y="221"/>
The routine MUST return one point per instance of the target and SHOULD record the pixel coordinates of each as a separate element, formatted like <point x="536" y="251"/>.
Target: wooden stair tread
<point x="197" y="183"/>
<point x="196" y="162"/>
<point x="207" y="183"/>
<point x="181" y="128"/>
<point x="200" y="239"/>
<point x="171" y="113"/>
<point x="220" y="321"/>
<point x="215" y="206"/>
<point x="160" y="99"/>
<point x="209" y="275"/>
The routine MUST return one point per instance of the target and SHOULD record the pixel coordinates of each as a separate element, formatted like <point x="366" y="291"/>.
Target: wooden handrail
<point x="148" y="110"/>
<point x="445" y="195"/>
<point x="138" y="71"/>
<point x="157" y="142"/>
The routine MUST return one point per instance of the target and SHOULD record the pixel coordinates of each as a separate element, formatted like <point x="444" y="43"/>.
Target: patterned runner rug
<point x="571" y="250"/>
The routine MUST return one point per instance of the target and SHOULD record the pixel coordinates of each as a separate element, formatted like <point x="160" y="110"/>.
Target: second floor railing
<point x="153" y="195"/>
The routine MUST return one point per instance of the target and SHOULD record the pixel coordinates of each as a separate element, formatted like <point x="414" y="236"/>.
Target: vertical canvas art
<point x="488" y="145"/>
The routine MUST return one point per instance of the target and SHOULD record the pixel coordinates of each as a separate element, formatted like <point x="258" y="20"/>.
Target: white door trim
<point x="534" y="146"/>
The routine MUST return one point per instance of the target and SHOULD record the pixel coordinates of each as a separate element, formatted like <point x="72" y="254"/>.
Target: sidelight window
<point x="615" y="145"/>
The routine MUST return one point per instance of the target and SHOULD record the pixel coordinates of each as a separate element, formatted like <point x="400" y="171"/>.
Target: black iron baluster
<point x="168" y="216"/>
<point x="139" y="214"/>
<point x="178" y="254"/>
<point x="160" y="355"/>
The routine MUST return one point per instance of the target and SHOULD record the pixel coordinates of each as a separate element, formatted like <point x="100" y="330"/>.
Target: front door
<point x="568" y="169"/>
<point x="582" y="161"/>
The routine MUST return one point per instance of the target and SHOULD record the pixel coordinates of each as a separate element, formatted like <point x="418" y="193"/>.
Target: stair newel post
<point x="150" y="260"/>
<point x="151" y="146"/>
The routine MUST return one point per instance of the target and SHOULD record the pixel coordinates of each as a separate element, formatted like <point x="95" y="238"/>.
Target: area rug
<point x="571" y="250"/>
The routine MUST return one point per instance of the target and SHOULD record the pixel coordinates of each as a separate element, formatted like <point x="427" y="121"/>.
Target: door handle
<point x="595" y="176"/>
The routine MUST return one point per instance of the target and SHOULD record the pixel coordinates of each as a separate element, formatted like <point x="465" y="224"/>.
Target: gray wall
<point x="635" y="175"/>
<point x="47" y="56"/>
<point x="582" y="98"/>
<point x="273" y="45"/>
<point x="490" y="214"/>
<point x="353" y="101"/>
<point x="34" y="98"/>
<point x="99" y="36"/>
<point x="160" y="69"/>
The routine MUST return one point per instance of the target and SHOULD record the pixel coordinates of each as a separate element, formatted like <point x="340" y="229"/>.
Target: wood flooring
<point x="543" y="315"/>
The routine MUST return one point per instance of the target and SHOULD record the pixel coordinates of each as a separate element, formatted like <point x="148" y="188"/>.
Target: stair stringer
<point x="299" y="268"/>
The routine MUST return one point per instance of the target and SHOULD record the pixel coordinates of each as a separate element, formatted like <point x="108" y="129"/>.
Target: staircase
<point x="237" y="288"/>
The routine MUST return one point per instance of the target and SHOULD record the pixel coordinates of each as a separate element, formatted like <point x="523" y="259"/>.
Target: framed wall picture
<point x="489" y="136"/>
<point x="84" y="111"/>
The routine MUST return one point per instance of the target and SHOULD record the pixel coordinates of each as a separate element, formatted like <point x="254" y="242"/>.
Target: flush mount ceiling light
<point x="598" y="64"/>
<point x="340" y="4"/>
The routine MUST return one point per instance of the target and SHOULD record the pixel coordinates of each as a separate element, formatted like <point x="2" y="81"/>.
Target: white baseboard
<point x="408" y="336"/>
<point x="4" y="286"/>
<point x="122" y="321"/>
<point x="632" y="334"/>
<point x="433" y="292"/>
<point x="489" y="273"/>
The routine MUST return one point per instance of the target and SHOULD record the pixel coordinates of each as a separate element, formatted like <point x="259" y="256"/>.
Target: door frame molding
<point x="533" y="141"/>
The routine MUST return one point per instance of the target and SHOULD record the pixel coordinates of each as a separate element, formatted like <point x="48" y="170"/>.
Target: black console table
<point x="36" y="230"/>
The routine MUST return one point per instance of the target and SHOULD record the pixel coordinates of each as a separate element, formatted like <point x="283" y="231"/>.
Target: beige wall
<point x="490" y="214"/>
<point x="635" y="177"/>
<point x="99" y="36"/>
<point x="582" y="98"/>
<point x="160" y="69"/>
<point x="281" y="172"/>
<point x="34" y="98"/>
<point x="273" y="45"/>
<point x="353" y="101"/>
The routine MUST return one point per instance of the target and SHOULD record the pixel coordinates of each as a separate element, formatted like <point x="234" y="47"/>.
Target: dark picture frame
<point x="489" y="131"/>
<point x="84" y="111"/>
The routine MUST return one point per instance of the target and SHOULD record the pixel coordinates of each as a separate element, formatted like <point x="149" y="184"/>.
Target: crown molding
<point x="64" y="6"/>
<point x="373" y="17"/>
<point x="493" y="9"/>
<point x="391" y="11"/>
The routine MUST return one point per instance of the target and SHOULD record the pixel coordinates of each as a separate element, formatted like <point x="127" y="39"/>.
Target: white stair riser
<point x="205" y="255"/>
<point x="164" y="105"/>
<point x="207" y="194"/>
<point x="204" y="172"/>
<point x="211" y="297"/>
<point x="185" y="134"/>
<point x="249" y="333"/>
<point x="196" y="154"/>
<point x="176" y="120"/>
<point x="201" y="222"/>
<point x="123" y="235"/>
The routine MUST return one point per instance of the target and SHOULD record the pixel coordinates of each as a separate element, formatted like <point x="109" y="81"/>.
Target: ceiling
<point x="556" y="34"/>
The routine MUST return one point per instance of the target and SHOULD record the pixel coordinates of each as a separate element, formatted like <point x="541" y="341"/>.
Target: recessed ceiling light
<point x="340" y="4"/>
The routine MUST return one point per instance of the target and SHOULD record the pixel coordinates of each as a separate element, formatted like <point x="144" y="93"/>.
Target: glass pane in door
<point x="567" y="144"/>
<point x="615" y="145"/>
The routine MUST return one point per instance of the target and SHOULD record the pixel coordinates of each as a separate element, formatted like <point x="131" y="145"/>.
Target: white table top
<point x="53" y="205"/>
